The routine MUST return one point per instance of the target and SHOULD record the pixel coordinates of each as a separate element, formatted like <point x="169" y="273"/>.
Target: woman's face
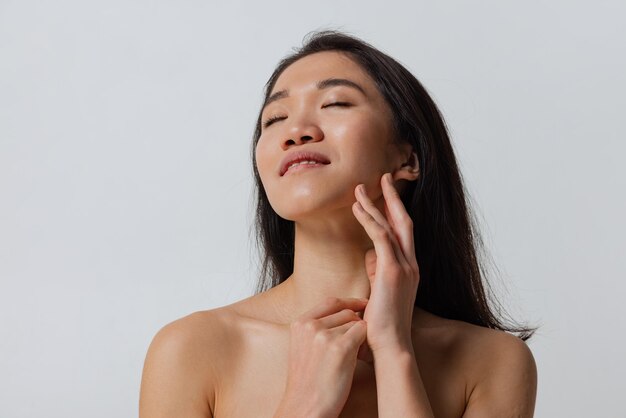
<point x="356" y="138"/>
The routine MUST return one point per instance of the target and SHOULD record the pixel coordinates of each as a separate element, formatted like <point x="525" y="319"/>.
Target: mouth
<point x="303" y="166"/>
<point x="302" y="160"/>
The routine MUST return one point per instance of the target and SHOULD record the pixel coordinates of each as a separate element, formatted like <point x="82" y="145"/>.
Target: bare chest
<point x="253" y="383"/>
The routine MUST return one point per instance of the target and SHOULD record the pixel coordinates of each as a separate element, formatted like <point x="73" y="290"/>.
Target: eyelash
<point x="273" y="119"/>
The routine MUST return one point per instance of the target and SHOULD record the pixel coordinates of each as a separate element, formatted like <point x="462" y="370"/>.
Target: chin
<point x="309" y="199"/>
<point x="309" y="209"/>
<point x="298" y="213"/>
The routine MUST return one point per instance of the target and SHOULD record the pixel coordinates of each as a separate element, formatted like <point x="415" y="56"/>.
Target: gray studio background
<point x="125" y="177"/>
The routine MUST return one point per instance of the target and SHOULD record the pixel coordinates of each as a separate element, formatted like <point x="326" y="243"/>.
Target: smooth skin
<point x="391" y="268"/>
<point x="329" y="336"/>
<point x="253" y="357"/>
<point x="394" y="278"/>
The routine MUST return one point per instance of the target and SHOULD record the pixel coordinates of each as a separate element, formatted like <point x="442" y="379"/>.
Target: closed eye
<point x="338" y="104"/>
<point x="273" y="119"/>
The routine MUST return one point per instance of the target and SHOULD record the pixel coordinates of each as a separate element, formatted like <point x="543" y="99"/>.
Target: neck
<point x="329" y="260"/>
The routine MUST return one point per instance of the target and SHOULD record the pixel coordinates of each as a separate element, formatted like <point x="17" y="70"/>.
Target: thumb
<point x="370" y="263"/>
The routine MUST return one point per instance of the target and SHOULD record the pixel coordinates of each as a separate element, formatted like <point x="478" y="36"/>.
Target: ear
<point x="409" y="170"/>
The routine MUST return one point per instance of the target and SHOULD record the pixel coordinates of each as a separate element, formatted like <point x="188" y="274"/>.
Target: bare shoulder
<point x="181" y="369"/>
<point x="502" y="373"/>
<point x="480" y="348"/>
<point x="496" y="370"/>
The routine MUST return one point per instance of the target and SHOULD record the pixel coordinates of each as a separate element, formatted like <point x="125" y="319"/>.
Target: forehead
<point x="307" y="71"/>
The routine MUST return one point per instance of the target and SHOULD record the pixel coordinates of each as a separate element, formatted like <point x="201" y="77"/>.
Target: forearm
<point x="399" y="386"/>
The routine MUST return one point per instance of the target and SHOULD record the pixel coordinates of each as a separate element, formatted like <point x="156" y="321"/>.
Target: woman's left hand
<point x="391" y="268"/>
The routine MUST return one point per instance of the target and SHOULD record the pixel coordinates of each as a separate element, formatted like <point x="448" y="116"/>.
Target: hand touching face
<point x="324" y="103"/>
<point x="391" y="267"/>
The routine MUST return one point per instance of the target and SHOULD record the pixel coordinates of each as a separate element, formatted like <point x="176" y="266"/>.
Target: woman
<point x="359" y="196"/>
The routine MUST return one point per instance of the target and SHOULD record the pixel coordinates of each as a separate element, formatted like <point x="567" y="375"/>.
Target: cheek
<point x="263" y="162"/>
<point x="365" y="154"/>
<point x="364" y="142"/>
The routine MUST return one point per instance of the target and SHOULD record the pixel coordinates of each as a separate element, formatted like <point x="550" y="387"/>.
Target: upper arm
<point x="178" y="378"/>
<point x="507" y="386"/>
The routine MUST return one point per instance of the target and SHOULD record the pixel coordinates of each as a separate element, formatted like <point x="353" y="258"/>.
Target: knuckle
<point x="381" y="233"/>
<point x="331" y="301"/>
<point x="303" y="326"/>
<point x="323" y="338"/>
<point x="310" y="326"/>
<point x="338" y="346"/>
<point x="297" y="324"/>
<point x="408" y="269"/>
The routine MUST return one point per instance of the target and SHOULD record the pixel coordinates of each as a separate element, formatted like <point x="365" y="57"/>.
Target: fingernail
<point x="388" y="178"/>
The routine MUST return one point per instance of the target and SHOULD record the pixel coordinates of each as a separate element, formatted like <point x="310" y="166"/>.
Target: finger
<point x="403" y="224"/>
<point x="363" y="198"/>
<point x="396" y="235"/>
<point x="370" y="208"/>
<point x="334" y="304"/>
<point x="379" y="235"/>
<point x="343" y="328"/>
<point x="356" y="333"/>
<point x="338" y="318"/>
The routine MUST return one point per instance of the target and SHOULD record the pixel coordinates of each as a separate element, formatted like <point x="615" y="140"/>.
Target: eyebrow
<point x="322" y="84"/>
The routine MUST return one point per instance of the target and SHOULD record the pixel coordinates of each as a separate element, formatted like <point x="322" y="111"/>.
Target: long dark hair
<point x="453" y="281"/>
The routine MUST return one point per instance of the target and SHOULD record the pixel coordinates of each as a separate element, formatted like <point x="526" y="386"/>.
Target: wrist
<point x="395" y="359"/>
<point x="394" y="350"/>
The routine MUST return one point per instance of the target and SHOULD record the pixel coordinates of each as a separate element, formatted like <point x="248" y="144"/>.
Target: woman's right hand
<point x="323" y="348"/>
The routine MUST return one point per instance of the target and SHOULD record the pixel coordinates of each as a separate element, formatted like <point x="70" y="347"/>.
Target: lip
<point x="296" y="156"/>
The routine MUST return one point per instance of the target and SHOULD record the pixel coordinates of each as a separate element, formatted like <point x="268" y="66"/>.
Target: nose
<point x="302" y="131"/>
